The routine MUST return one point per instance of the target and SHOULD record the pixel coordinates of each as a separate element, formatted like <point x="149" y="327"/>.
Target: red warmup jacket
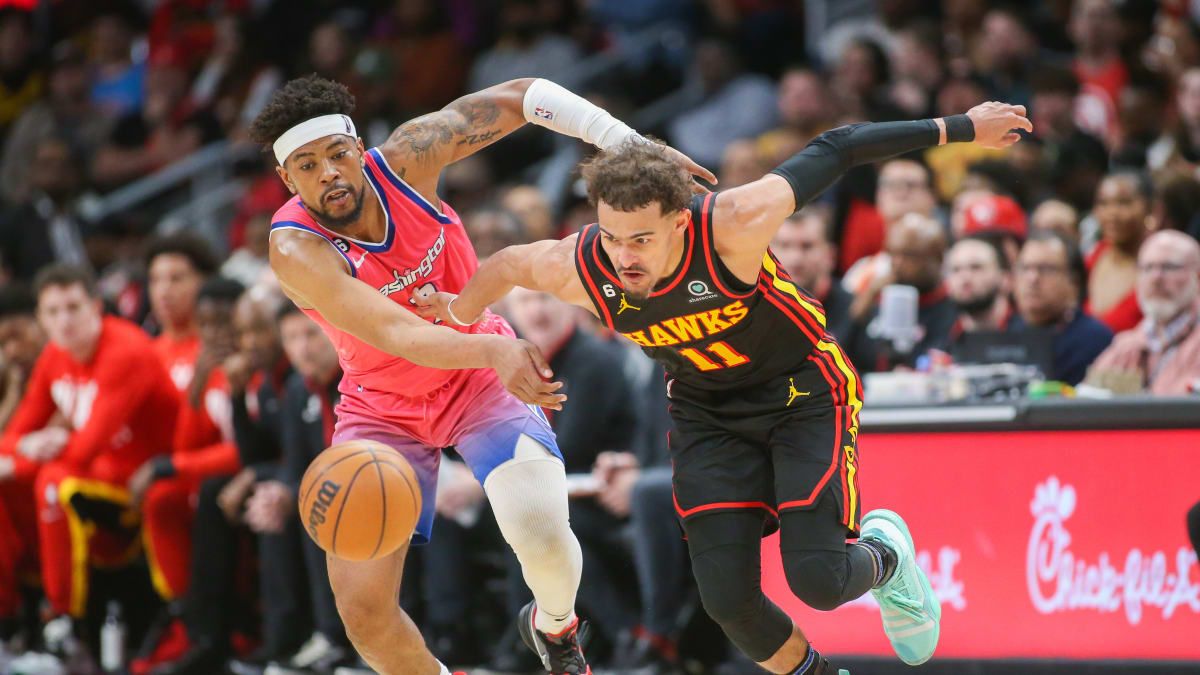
<point x="120" y="405"/>
<point x="204" y="445"/>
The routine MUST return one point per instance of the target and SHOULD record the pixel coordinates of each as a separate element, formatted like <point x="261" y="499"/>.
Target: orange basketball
<point x="360" y="500"/>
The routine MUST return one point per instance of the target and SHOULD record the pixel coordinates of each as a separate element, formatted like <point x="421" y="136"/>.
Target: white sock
<point x="445" y="670"/>
<point x="529" y="497"/>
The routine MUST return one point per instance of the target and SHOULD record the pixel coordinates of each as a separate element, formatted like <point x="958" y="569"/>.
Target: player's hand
<point x="7" y="467"/>
<point x="433" y="304"/>
<point x="45" y="444"/>
<point x="525" y="373"/>
<point x="693" y="168"/>
<point x="233" y="496"/>
<point x="139" y="483"/>
<point x="238" y="371"/>
<point x="269" y="507"/>
<point x="996" y="123"/>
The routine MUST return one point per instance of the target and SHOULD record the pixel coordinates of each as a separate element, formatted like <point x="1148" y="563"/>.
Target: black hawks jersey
<point x="707" y="328"/>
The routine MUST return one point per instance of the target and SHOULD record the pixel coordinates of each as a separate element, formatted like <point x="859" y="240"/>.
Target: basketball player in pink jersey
<point x="364" y="231"/>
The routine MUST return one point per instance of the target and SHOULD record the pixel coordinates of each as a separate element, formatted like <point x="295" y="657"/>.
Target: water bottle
<point x="112" y="640"/>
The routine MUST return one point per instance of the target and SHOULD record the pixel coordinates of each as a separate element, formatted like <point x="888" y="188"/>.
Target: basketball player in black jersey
<point x="765" y="402"/>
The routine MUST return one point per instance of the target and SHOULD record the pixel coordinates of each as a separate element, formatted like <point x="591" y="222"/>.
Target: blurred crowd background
<point x="125" y="175"/>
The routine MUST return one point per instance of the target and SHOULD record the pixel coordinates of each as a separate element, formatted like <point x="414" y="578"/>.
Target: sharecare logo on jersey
<point x="1060" y="582"/>
<point x="423" y="269"/>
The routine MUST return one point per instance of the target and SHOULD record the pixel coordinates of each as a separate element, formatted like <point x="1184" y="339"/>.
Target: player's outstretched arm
<point x="746" y="218"/>
<point x="418" y="149"/>
<point x="547" y="266"/>
<point x="314" y="275"/>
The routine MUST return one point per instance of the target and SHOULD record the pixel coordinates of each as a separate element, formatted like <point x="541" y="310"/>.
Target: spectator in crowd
<point x="803" y="247"/>
<point x="66" y="112"/>
<point x="530" y="206"/>
<point x="1096" y="31"/>
<point x="742" y="163"/>
<point x="47" y="228"/>
<point x="597" y="417"/>
<point x="21" y="341"/>
<point x="177" y="266"/>
<point x="1007" y="50"/>
<point x="1179" y="149"/>
<point x="858" y="82"/>
<point x="1079" y="159"/>
<point x="1162" y="354"/>
<point x="1177" y="204"/>
<point x="916" y="246"/>
<point x="1141" y="111"/>
<point x="903" y="188"/>
<point x="164" y="488"/>
<point x="1055" y="215"/>
<point x="727" y="104"/>
<point x="21" y="76"/>
<point x="165" y="129"/>
<point x="118" y="80"/>
<point x="660" y="555"/>
<point x="492" y="228"/>
<point x="116" y="408"/>
<point x="525" y="48"/>
<point x="231" y="81"/>
<point x="1123" y="213"/>
<point x="255" y="373"/>
<point x="805" y="110"/>
<point x="414" y="34"/>
<point x="979" y="282"/>
<point x="998" y="218"/>
<point x="1048" y="281"/>
<point x="918" y="66"/>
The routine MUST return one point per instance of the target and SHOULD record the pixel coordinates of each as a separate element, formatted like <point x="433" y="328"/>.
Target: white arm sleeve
<point x="550" y="105"/>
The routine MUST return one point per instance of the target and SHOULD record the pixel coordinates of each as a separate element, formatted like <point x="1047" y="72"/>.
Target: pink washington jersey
<point x="424" y="246"/>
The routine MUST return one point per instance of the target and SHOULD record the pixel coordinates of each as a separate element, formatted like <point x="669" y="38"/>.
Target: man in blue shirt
<point x="1048" y="279"/>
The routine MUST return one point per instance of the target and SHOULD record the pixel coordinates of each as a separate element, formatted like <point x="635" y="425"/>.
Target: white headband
<point x="309" y="131"/>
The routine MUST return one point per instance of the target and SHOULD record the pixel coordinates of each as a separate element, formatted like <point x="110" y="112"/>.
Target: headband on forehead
<point x="309" y="131"/>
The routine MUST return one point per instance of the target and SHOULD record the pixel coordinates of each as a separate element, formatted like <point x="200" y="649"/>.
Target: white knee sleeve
<point x="529" y="497"/>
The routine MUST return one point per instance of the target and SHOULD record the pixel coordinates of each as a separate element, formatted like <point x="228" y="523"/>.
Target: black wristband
<point x="163" y="467"/>
<point x="959" y="129"/>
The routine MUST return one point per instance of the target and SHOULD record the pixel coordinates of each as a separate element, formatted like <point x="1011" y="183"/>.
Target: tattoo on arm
<point x="466" y="122"/>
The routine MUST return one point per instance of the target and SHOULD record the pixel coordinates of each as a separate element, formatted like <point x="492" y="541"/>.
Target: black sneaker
<point x="561" y="654"/>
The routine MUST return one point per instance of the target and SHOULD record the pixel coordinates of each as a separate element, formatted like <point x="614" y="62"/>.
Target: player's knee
<point x="815" y="577"/>
<point x="731" y="597"/>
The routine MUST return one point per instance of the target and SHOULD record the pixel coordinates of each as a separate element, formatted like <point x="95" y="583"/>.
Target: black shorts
<point x="777" y="446"/>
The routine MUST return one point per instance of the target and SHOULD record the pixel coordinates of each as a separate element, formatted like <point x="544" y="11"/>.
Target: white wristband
<point x="550" y="105"/>
<point x="450" y="311"/>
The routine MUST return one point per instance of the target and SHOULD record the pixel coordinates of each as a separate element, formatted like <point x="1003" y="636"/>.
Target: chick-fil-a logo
<point x="1058" y="582"/>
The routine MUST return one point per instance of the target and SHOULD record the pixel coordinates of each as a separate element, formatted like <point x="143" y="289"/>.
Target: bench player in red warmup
<point x="365" y="230"/>
<point x="100" y="376"/>
<point x="765" y="402"/>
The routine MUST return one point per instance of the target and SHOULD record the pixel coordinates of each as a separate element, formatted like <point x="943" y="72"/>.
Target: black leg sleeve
<point x="726" y="550"/>
<point x="822" y="569"/>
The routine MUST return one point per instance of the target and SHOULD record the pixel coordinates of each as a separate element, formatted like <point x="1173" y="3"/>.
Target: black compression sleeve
<point x="832" y="153"/>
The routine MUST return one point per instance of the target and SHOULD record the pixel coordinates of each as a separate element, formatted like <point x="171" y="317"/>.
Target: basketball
<point x="360" y="500"/>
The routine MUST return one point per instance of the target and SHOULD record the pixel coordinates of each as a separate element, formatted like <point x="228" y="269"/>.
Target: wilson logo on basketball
<point x="325" y="497"/>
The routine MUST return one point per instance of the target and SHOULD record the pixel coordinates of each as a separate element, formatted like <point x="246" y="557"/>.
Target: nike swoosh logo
<point x="358" y="263"/>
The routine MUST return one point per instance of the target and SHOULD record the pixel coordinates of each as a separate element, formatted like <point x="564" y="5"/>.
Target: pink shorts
<point x="472" y="412"/>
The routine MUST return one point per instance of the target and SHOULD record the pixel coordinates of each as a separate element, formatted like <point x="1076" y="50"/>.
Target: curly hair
<point x="299" y="100"/>
<point x="635" y="174"/>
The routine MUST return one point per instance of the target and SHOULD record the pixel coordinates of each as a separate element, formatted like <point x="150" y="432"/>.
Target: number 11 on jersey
<point x="728" y="356"/>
